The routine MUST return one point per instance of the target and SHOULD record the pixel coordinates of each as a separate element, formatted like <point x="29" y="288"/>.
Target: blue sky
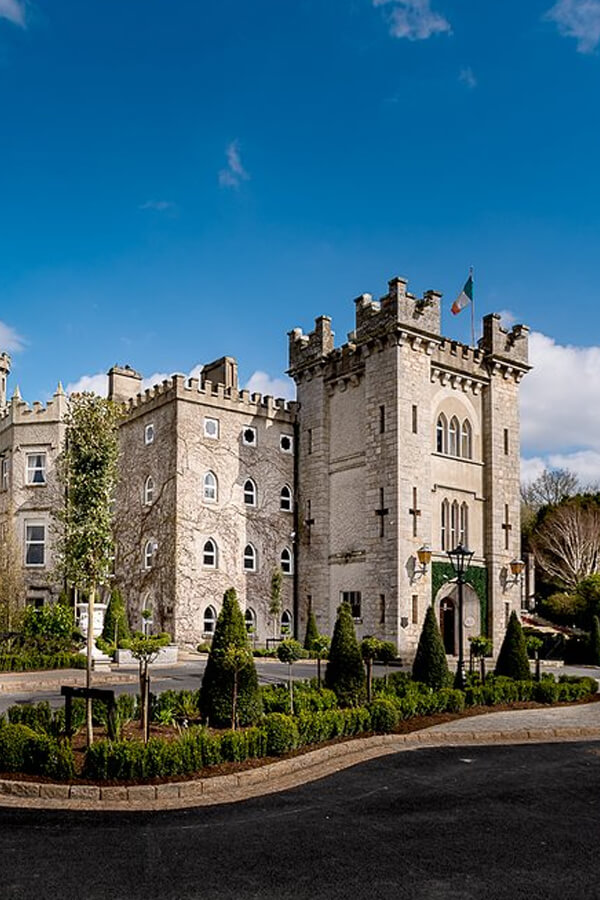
<point x="187" y="179"/>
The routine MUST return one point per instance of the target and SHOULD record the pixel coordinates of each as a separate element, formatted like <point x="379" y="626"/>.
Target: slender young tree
<point x="289" y="652"/>
<point x="145" y="648"/>
<point x="321" y="645"/>
<point x="275" y="598"/>
<point x="369" y="650"/>
<point x="88" y="471"/>
<point x="235" y="660"/>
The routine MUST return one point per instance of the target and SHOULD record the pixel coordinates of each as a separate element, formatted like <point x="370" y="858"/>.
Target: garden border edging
<point x="270" y="778"/>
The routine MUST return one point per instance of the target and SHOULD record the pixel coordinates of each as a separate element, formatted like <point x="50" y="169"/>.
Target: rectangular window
<point x="381" y="419"/>
<point x="4" y="473"/>
<point x="353" y="599"/>
<point x="149" y="434"/>
<point x="211" y="428"/>
<point x="309" y="441"/>
<point x="415" y="609"/>
<point x="35" y="545"/>
<point x="36" y="468"/>
<point x="415" y="420"/>
<point x="382" y="609"/>
<point x="506" y="441"/>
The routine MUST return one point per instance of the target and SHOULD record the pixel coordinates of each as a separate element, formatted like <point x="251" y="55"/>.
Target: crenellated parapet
<point x="397" y="308"/>
<point x="307" y="349"/>
<point x="18" y="412"/>
<point x="4" y="373"/>
<point x="505" y="347"/>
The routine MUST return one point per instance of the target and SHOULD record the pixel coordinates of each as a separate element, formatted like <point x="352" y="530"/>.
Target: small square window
<point x="211" y="428"/>
<point x="353" y="599"/>
<point x="149" y="434"/>
<point x="249" y="436"/>
<point x="36" y="468"/>
<point x="286" y="443"/>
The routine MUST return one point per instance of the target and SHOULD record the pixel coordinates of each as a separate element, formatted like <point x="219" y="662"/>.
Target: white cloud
<point x="261" y="383"/>
<point x="235" y="172"/>
<point x="414" y="19"/>
<point x="507" y="318"/>
<point x="9" y="339"/>
<point x="159" y="206"/>
<point x="579" y="19"/>
<point x="559" y="402"/>
<point x="97" y="384"/>
<point x="14" y="11"/>
<point x="467" y="77"/>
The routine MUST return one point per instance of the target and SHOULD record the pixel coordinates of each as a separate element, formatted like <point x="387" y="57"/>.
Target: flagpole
<point x="472" y="309"/>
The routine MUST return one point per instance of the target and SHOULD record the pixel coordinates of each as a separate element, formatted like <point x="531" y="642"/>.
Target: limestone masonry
<point x="400" y="440"/>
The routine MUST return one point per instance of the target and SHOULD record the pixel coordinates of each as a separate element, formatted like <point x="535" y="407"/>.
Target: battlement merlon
<point x="306" y="349"/>
<point x="501" y="345"/>
<point x="398" y="307"/>
<point x="4" y="373"/>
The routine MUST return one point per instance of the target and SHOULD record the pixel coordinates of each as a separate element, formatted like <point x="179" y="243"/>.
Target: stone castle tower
<point x="407" y="440"/>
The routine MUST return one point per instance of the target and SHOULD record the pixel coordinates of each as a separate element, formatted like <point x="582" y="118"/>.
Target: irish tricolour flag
<point x="465" y="297"/>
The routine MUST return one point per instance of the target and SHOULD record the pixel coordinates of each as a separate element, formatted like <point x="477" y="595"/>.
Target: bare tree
<point x="566" y="543"/>
<point x="550" y="488"/>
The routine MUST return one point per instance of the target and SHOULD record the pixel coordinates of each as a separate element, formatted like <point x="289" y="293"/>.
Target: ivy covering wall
<point x="476" y="576"/>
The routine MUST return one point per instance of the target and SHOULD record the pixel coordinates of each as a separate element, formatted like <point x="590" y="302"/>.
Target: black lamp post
<point x="460" y="558"/>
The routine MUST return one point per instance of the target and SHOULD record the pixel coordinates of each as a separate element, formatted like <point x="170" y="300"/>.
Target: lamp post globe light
<point x="460" y="558"/>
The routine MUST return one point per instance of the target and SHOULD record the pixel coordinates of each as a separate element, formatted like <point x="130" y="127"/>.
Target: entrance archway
<point x="448" y="624"/>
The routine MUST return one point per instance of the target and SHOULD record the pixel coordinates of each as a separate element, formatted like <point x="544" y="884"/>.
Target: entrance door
<point x="447" y="624"/>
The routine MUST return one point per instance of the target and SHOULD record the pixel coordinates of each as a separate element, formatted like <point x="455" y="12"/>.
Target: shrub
<point x="116" y="627"/>
<point x="218" y="681"/>
<point x="430" y="665"/>
<point x="281" y="734"/>
<point x="276" y="698"/>
<point x="384" y="715"/>
<point x="48" y="622"/>
<point x="24" y="750"/>
<point x="451" y="700"/>
<point x="345" y="673"/>
<point x="37" y="716"/>
<point x="513" y="661"/>
<point x="546" y="691"/>
<point x="312" y="631"/>
<point x="595" y="642"/>
<point x="237" y="746"/>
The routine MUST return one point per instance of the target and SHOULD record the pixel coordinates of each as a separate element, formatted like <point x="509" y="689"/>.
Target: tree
<point x="513" y="661"/>
<point x="218" y="681"/>
<point x="566" y="541"/>
<point x="534" y="645"/>
<point x="588" y="600"/>
<point x="345" y="673"/>
<point x="481" y="646"/>
<point x="145" y="648"/>
<point x="595" y="642"/>
<point x="289" y="652"/>
<point x="275" y="598"/>
<point x="12" y="583"/>
<point x="430" y="665"/>
<point x="550" y="488"/>
<point x="87" y="469"/>
<point x="235" y="660"/>
<point x="312" y="631"/>
<point x="321" y="645"/>
<point x="369" y="649"/>
<point x="116" y="627"/>
<point x="386" y="654"/>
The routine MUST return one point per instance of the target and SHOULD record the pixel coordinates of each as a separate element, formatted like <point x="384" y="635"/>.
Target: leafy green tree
<point x="312" y="632"/>
<point x="289" y="652"/>
<point x="534" y="645"/>
<point x="345" y="673"/>
<point x="235" y="660"/>
<point x="275" y="598"/>
<point x="321" y="646"/>
<point x="430" y="665"/>
<point x="87" y="468"/>
<point x="595" y="642"/>
<point x="588" y="595"/>
<point x="116" y="626"/>
<point x="145" y="648"/>
<point x="218" y="681"/>
<point x="513" y="661"/>
<point x="369" y="650"/>
<point x="480" y="646"/>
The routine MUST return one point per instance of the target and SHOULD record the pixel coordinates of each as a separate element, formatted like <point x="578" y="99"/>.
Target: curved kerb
<point x="268" y="779"/>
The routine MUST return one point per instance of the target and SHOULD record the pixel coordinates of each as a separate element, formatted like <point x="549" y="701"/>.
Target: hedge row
<point x="25" y="750"/>
<point x="34" y="661"/>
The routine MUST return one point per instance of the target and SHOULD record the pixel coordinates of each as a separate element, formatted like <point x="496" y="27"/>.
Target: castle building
<point x="400" y="440"/>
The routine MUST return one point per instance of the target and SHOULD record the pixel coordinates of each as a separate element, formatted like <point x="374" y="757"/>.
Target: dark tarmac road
<point x="486" y="822"/>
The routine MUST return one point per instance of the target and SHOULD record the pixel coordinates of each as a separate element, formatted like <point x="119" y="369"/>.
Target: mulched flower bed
<point x="133" y="731"/>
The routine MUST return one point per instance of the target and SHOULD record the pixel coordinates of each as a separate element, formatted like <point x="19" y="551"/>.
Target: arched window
<point x="445" y="525"/>
<point x="466" y="440"/>
<point x="210" y="487"/>
<point x="210" y="554"/>
<point x="285" y="498"/>
<point x="453" y="434"/>
<point x="441" y="434"/>
<point x="464" y="525"/>
<point x="250" y="620"/>
<point x="453" y="526"/>
<point x="149" y="550"/>
<point x="286" y="561"/>
<point x="286" y="622"/>
<point x="249" y="558"/>
<point x="249" y="492"/>
<point x="210" y="620"/>
<point x="149" y="491"/>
